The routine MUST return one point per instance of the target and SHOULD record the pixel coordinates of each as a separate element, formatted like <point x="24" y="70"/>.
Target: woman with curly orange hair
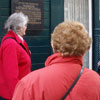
<point x="69" y="41"/>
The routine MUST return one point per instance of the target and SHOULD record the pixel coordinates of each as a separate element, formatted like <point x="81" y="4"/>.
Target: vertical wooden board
<point x="4" y="11"/>
<point x="57" y="12"/>
<point x="96" y="50"/>
<point x="37" y="40"/>
<point x="5" y="3"/>
<point x="96" y="34"/>
<point x="96" y="14"/>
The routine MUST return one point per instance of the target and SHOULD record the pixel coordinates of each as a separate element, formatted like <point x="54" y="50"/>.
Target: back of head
<point x="16" y="21"/>
<point x="70" y="39"/>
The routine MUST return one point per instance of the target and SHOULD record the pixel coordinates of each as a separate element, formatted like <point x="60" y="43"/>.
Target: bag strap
<point x="66" y="94"/>
<point x="17" y="42"/>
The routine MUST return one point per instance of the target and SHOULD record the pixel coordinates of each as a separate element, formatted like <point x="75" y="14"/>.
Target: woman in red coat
<point x="70" y="41"/>
<point x="15" y="60"/>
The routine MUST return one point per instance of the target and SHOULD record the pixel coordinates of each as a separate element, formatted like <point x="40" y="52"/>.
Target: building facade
<point x="54" y="12"/>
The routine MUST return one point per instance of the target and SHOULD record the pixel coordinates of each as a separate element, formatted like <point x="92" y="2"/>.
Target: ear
<point x="52" y="46"/>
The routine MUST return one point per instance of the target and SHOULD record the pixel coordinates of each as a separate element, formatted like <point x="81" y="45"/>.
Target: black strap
<point x="2" y="98"/>
<point x="17" y="42"/>
<point x="66" y="94"/>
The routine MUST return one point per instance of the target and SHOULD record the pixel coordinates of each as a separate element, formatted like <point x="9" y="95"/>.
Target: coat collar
<point x="12" y="34"/>
<point x="19" y="41"/>
<point x="57" y="58"/>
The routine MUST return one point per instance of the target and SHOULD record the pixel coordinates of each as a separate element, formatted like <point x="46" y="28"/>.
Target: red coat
<point x="51" y="82"/>
<point x="15" y="63"/>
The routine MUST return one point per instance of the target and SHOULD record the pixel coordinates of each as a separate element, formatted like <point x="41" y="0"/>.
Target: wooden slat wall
<point x="96" y="34"/>
<point x="4" y="13"/>
<point x="38" y="41"/>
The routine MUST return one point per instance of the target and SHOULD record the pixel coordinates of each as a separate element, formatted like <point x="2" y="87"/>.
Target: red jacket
<point x="52" y="82"/>
<point x="15" y="63"/>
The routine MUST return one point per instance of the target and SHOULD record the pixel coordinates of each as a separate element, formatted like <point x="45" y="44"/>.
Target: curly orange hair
<point x="70" y="39"/>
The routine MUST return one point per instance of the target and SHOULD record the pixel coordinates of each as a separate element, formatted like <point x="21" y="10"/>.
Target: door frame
<point x="90" y="33"/>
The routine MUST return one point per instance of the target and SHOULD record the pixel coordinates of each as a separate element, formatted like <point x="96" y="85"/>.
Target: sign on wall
<point x="32" y="8"/>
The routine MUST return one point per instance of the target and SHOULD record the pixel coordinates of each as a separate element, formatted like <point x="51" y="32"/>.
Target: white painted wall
<point x="80" y="10"/>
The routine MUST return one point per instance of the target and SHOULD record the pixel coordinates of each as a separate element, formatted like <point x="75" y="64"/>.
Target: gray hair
<point x="16" y="21"/>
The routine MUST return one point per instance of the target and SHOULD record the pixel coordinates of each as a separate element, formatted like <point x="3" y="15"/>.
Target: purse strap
<point x="66" y="94"/>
